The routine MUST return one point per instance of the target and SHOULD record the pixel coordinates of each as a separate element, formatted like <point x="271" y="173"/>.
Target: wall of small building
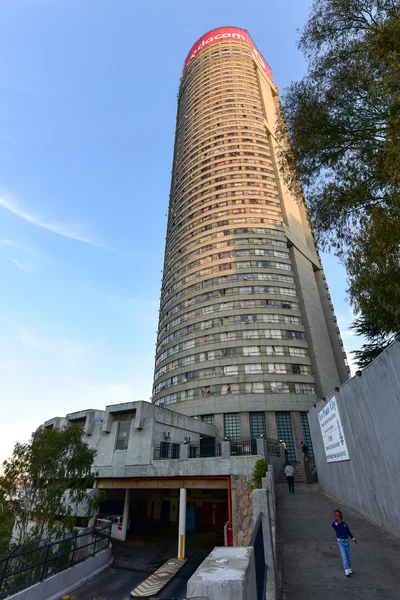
<point x="149" y="426"/>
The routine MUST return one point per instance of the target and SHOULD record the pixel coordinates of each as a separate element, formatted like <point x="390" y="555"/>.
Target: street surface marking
<point x="155" y="583"/>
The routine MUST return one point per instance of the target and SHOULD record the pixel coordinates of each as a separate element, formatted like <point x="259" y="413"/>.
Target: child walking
<point x="343" y="534"/>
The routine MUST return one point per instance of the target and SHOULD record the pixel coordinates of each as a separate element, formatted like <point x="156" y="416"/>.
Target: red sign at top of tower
<point x="223" y="34"/>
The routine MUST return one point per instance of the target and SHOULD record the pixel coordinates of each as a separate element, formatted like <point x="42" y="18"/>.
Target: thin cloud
<point x="347" y="333"/>
<point x="12" y="244"/>
<point x="33" y="339"/>
<point x="73" y="232"/>
<point x="105" y="393"/>
<point x="8" y="139"/>
<point x="10" y="364"/>
<point x="19" y="265"/>
<point x="72" y="351"/>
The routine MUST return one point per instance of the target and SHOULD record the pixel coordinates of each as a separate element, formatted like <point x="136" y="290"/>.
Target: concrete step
<point x="299" y="475"/>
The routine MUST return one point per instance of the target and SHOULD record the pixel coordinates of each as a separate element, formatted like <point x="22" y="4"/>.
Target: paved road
<point x="137" y="559"/>
<point x="311" y="568"/>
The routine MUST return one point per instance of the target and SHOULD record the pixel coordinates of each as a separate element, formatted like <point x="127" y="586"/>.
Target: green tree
<point x="377" y="341"/>
<point x="46" y="478"/>
<point x="343" y="119"/>
<point x="6" y="522"/>
<point x="373" y="265"/>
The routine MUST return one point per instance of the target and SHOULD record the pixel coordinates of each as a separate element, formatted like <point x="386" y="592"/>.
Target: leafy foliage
<point x="343" y="119"/>
<point x="45" y="478"/>
<point x="377" y="341"/>
<point x="373" y="264"/>
<point x="260" y="468"/>
<point x="6" y="523"/>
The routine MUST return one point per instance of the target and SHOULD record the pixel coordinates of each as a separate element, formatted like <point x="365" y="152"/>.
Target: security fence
<point x="25" y="566"/>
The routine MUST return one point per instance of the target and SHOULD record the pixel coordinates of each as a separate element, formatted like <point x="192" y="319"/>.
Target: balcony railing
<point x="205" y="450"/>
<point x="212" y="448"/>
<point x="166" y="450"/>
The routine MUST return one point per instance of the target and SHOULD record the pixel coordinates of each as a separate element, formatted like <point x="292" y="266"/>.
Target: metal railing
<point x="25" y="566"/>
<point x="243" y="447"/>
<point x="273" y="448"/>
<point x="166" y="451"/>
<point x="239" y="447"/>
<point x="257" y="541"/>
<point x="205" y="450"/>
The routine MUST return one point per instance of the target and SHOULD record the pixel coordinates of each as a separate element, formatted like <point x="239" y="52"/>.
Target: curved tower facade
<point x="247" y="336"/>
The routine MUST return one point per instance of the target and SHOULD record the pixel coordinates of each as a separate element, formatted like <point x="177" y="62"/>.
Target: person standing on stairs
<point x="289" y="472"/>
<point x="304" y="449"/>
<point x="285" y="448"/>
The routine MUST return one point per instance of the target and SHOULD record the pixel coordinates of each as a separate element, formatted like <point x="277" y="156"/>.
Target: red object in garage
<point x="206" y="514"/>
<point x="230" y="534"/>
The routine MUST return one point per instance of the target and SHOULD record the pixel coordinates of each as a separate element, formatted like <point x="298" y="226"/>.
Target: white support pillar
<point x="125" y="515"/>
<point x="182" y="524"/>
<point x="93" y="518"/>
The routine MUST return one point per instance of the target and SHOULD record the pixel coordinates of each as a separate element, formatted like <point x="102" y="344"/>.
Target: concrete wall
<point x="264" y="505"/>
<point x="369" y="407"/>
<point x="321" y="353"/>
<point x="225" y="573"/>
<point x="242" y="510"/>
<point x="59" y="585"/>
<point x="277" y="463"/>
<point x="234" y="465"/>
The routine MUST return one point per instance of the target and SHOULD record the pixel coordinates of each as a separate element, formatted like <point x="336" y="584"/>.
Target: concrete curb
<point x="73" y="587"/>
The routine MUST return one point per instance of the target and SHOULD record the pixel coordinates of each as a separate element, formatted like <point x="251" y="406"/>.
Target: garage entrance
<point x="152" y="507"/>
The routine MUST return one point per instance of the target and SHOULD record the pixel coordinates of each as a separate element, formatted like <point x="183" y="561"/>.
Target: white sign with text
<point x="332" y="432"/>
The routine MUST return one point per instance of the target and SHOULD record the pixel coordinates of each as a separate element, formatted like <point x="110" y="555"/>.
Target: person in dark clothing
<point x="304" y="449"/>
<point x="285" y="448"/>
<point x="343" y="534"/>
<point x="289" y="472"/>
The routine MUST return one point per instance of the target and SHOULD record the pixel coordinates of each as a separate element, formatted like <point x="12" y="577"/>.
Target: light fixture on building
<point x="186" y="440"/>
<point x="359" y="373"/>
<point x="336" y="389"/>
<point x="166" y="434"/>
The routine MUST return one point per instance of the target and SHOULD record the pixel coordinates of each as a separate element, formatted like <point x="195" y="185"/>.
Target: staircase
<point x="299" y="475"/>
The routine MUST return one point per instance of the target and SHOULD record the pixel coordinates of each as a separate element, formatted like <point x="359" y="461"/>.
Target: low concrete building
<point x="146" y="454"/>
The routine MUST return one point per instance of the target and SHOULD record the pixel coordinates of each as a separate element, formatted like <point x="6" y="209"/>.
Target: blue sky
<point x="88" y="93"/>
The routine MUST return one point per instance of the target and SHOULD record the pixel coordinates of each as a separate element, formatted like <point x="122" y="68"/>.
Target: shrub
<point x="260" y="469"/>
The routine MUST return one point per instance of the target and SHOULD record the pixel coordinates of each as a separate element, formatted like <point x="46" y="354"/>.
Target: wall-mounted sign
<point x="332" y="432"/>
<point x="223" y="34"/>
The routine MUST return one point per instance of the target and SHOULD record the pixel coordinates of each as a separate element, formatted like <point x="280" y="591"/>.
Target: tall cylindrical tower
<point x="247" y="337"/>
